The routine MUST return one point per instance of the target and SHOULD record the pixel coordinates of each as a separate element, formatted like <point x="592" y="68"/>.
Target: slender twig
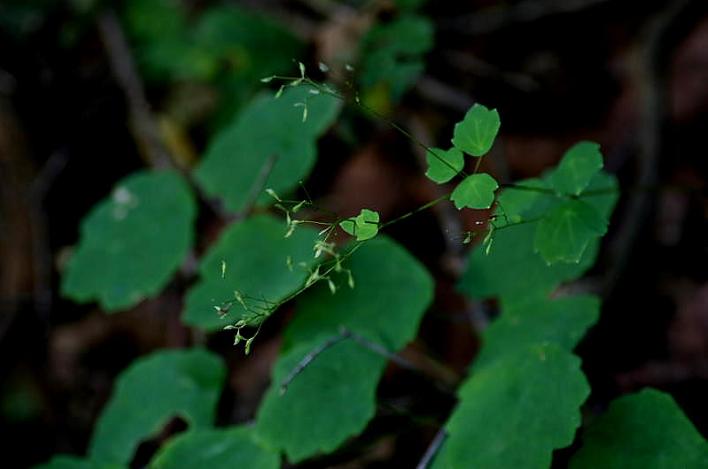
<point x="433" y="449"/>
<point x="123" y="66"/>
<point x="440" y="93"/>
<point x="471" y="64"/>
<point x="42" y="257"/>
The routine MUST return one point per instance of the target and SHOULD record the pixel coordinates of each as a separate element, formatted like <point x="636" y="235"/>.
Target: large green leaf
<point x="226" y="448"/>
<point x="268" y="138"/>
<point x="577" y="168"/>
<point x="169" y="383"/>
<point x="392" y="291"/>
<point x="516" y="411"/>
<point x="565" y="232"/>
<point x="475" y="191"/>
<point x="247" y="42"/>
<point x="132" y="242"/>
<point x="528" y="199"/>
<point x="248" y="46"/>
<point x="255" y="255"/>
<point x="646" y="430"/>
<point x="331" y="400"/>
<point x="562" y="321"/>
<point x="72" y="462"/>
<point x="475" y="134"/>
<point x="513" y="270"/>
<point x="160" y="29"/>
<point x="334" y="397"/>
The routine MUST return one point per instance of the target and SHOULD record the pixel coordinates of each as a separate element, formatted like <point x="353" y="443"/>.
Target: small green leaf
<point x="564" y="233"/>
<point x="227" y="448"/>
<point x="562" y="321"/>
<point x="475" y="191"/>
<point x="132" y="242"/>
<point x="185" y="383"/>
<point x="256" y="254"/>
<point x="578" y="166"/>
<point x="444" y="165"/>
<point x="646" y="430"/>
<point x="364" y="226"/>
<point x="516" y="411"/>
<point x="476" y="133"/>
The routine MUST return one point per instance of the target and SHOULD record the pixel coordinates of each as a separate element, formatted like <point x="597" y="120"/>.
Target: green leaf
<point x="334" y="397"/>
<point x="141" y="18"/>
<point x="132" y="242"/>
<point x="248" y="47"/>
<point x="513" y="270"/>
<point x="392" y="291"/>
<point x="364" y="226"/>
<point x="475" y="191"/>
<point x="577" y="168"/>
<point x="444" y="165"/>
<point x="646" y="430"/>
<point x="72" y="462"/>
<point x="393" y="53"/>
<point x="562" y="322"/>
<point x="269" y="138"/>
<point x="169" y="383"/>
<point x="516" y="411"/>
<point x="476" y="133"/>
<point x="523" y="201"/>
<point x="225" y="45"/>
<point x="564" y="234"/>
<point x="227" y="448"/>
<point x="255" y="253"/>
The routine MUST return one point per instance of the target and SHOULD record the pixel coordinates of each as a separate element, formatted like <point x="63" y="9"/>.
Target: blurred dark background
<point x="630" y="75"/>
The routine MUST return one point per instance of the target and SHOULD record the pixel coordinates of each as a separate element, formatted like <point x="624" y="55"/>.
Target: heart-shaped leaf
<point x="476" y="133"/>
<point x="475" y="191"/>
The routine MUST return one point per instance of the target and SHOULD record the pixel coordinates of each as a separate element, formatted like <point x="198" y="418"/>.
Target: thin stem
<point x="433" y="449"/>
<point x="426" y="206"/>
<point x="330" y="92"/>
<point x="378" y="349"/>
<point x="477" y="164"/>
<point x="307" y="359"/>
